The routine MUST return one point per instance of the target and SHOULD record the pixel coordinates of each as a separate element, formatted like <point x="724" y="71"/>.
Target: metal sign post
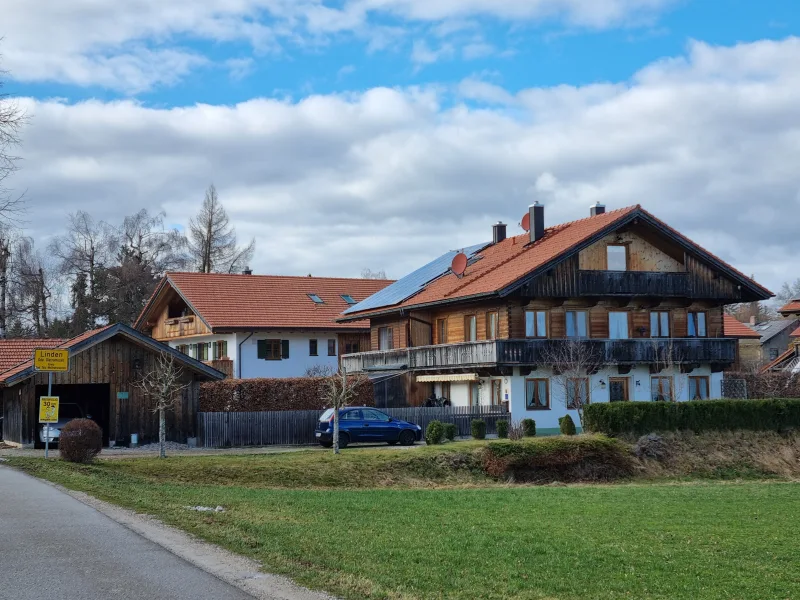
<point x="49" y="360"/>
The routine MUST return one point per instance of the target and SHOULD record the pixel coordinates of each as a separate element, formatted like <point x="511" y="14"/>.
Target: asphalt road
<point x="53" y="547"/>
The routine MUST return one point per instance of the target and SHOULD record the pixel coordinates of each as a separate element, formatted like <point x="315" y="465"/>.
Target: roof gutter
<point x="401" y="309"/>
<point x="239" y="354"/>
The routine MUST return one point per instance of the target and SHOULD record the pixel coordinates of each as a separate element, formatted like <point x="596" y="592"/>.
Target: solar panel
<point x="414" y="282"/>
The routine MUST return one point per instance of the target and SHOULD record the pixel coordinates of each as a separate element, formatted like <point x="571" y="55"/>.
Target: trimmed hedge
<point x="434" y="434"/>
<point x="478" y="429"/>
<point x="567" y="426"/>
<point x="80" y="441"/>
<point x="579" y="458"/>
<point x="254" y="395"/>
<point x="640" y="418"/>
<point x="502" y="429"/>
<point x="450" y="431"/>
<point x="528" y="427"/>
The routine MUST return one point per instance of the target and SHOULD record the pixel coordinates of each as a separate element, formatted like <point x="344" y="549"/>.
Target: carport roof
<point x="16" y="351"/>
<point x="90" y="338"/>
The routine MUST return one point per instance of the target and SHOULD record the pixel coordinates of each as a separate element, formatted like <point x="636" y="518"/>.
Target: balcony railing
<point x="494" y="353"/>
<point x="634" y="283"/>
<point x="180" y="327"/>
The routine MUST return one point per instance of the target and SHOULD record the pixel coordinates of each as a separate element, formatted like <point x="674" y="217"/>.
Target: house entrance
<point x="618" y="389"/>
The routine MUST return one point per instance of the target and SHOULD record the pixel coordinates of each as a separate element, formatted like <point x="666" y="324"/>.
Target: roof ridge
<point x="264" y="275"/>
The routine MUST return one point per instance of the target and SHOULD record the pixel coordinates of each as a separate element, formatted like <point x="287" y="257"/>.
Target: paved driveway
<point x="53" y="547"/>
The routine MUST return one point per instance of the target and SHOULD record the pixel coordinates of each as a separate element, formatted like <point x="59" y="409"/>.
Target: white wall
<point x="202" y="339"/>
<point x="299" y="359"/>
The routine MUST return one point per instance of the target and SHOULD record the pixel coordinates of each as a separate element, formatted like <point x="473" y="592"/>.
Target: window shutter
<point x="262" y="349"/>
<point x="284" y="348"/>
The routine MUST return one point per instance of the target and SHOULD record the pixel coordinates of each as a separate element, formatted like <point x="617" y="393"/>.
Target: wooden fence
<point x="296" y="427"/>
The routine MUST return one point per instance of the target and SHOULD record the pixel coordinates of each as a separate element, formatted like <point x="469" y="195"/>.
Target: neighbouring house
<point x="748" y="346"/>
<point x="104" y="366"/>
<point x="789" y="359"/>
<point x="505" y="321"/>
<point x="776" y="338"/>
<point x="259" y="325"/>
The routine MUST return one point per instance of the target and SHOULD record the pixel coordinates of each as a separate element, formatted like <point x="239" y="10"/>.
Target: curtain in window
<point x="576" y="324"/>
<point x="536" y="393"/>
<point x="618" y="325"/>
<point x="698" y="388"/>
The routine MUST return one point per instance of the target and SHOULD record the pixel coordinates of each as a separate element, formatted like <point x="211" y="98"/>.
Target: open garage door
<point x="92" y="400"/>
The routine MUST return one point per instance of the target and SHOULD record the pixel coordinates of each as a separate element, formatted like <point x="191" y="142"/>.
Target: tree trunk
<point x="43" y="299"/>
<point x="162" y="432"/>
<point x="4" y="256"/>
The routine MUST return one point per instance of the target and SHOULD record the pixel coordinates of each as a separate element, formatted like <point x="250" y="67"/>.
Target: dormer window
<point x="349" y="299"/>
<point x="316" y="299"/>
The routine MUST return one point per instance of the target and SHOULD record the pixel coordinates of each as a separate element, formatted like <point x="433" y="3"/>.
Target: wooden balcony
<point x="224" y="365"/>
<point x="502" y="353"/>
<point x="634" y="283"/>
<point x="180" y="327"/>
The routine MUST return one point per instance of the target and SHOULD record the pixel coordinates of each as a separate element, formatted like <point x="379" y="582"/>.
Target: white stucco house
<point x="259" y="325"/>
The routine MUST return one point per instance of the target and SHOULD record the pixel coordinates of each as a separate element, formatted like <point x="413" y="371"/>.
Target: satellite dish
<point x="526" y="221"/>
<point x="459" y="264"/>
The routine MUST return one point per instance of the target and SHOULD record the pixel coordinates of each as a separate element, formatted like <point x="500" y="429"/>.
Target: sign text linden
<point x="51" y="360"/>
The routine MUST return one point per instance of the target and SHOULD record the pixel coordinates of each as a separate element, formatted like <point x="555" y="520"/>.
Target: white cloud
<point x="422" y="54"/>
<point x="112" y="44"/>
<point x="388" y="178"/>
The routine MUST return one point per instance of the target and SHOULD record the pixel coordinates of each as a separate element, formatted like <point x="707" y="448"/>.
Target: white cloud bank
<point x="389" y="178"/>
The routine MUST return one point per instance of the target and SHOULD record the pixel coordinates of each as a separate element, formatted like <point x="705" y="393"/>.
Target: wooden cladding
<point x="641" y="254"/>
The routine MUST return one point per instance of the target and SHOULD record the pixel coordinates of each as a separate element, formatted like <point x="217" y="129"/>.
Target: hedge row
<point x="705" y="415"/>
<point x="254" y="395"/>
<point x="769" y="385"/>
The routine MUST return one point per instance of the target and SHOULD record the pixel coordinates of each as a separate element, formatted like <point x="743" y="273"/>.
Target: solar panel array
<point x="412" y="284"/>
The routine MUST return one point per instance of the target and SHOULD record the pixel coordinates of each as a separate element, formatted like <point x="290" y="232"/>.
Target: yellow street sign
<point x="48" y="409"/>
<point x="52" y="359"/>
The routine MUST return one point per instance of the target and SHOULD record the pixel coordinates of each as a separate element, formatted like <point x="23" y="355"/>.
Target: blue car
<point x="365" y="424"/>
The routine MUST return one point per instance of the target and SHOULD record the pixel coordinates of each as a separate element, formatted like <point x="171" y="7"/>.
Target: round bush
<point x="80" y="441"/>
<point x="567" y="425"/>
<point x="502" y="429"/>
<point x="450" y="431"/>
<point x="434" y="433"/>
<point x="478" y="428"/>
<point x="529" y="427"/>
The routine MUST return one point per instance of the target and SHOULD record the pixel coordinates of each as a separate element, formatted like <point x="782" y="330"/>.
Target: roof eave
<point x="401" y="309"/>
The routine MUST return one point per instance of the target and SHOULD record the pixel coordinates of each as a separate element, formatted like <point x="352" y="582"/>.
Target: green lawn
<point x="468" y="538"/>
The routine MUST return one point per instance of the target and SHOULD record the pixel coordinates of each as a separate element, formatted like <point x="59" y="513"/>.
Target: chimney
<point x="247" y="271"/>
<point x="597" y="209"/>
<point x="498" y="232"/>
<point x="753" y="321"/>
<point x="536" y="212"/>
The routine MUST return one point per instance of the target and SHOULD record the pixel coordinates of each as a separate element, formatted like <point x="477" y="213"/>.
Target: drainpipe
<point x="239" y="354"/>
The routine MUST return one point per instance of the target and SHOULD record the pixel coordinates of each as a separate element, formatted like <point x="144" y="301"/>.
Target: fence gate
<point x="734" y="389"/>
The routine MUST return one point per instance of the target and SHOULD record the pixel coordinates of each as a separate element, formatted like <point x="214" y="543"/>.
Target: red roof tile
<point x="795" y="333"/>
<point x="16" y="351"/>
<point x="272" y="301"/>
<point x="792" y="307"/>
<point x="734" y="328"/>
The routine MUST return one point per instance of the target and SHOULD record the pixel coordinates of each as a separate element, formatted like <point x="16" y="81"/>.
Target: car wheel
<point x="344" y="439"/>
<point x="326" y="444"/>
<point x="407" y="438"/>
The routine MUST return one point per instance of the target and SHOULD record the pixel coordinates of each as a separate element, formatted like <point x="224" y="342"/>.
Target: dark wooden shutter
<point x="284" y="348"/>
<point x="262" y="349"/>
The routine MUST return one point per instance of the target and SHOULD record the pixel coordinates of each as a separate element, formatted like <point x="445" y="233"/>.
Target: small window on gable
<point x="316" y="299"/>
<point x="617" y="258"/>
<point x="348" y="298"/>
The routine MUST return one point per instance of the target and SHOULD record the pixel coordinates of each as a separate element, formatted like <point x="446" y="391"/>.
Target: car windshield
<point x="70" y="411"/>
<point x="326" y="416"/>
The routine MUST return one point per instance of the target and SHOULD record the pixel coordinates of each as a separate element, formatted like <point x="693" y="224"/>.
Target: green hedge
<point x="705" y="415"/>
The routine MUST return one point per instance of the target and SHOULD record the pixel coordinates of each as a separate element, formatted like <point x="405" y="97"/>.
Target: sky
<point x="351" y="134"/>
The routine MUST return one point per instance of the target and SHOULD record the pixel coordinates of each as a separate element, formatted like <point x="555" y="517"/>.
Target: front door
<point x="497" y="392"/>
<point x="618" y="389"/>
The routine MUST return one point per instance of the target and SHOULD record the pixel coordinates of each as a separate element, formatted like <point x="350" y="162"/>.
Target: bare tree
<point x="162" y="386"/>
<point x="12" y="119"/>
<point x="320" y="371"/>
<point x="668" y="357"/>
<point x="370" y="274"/>
<point x="212" y="239"/>
<point x="574" y="361"/>
<point x="339" y="394"/>
<point x="789" y="291"/>
<point x="30" y="290"/>
<point x="144" y="239"/>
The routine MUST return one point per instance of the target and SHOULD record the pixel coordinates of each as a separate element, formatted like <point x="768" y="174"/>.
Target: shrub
<point x="567" y="425"/>
<point x="254" y="395"/>
<point x="478" y="428"/>
<point x="639" y="418"/>
<point x="529" y="427"/>
<point x="584" y="458"/>
<point x="502" y="429"/>
<point x="651" y="446"/>
<point x="80" y="441"/>
<point x="515" y="430"/>
<point x="450" y="431"/>
<point x="434" y="433"/>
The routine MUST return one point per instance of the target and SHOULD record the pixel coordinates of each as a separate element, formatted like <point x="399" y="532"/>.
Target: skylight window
<point x="316" y="299"/>
<point x="349" y="299"/>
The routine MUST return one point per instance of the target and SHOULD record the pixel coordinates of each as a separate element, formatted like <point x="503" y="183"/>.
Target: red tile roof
<point x="512" y="259"/>
<point x="792" y="307"/>
<point x="795" y="333"/>
<point x="782" y="358"/>
<point x="271" y="301"/>
<point x="734" y="328"/>
<point x="16" y="351"/>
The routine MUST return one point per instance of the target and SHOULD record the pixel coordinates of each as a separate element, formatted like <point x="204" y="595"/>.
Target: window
<point x="474" y="394"/>
<point x="617" y="258"/>
<point x="536" y="323"/>
<point x="661" y="389"/>
<point x="698" y="388"/>
<point x="316" y="299"/>
<point x="370" y="414"/>
<point x="470" y="328"/>
<point x="312" y="347"/>
<point x="202" y="351"/>
<point x="774" y="353"/>
<point x="577" y="392"/>
<point x="331" y="347"/>
<point x="618" y="389"/>
<point x="537" y="394"/>
<point x="351" y="415"/>
<point x="270" y="349"/>
<point x="491" y="325"/>
<point x="497" y="392"/>
<point x="347" y="298"/>
<point x="220" y="349"/>
<point x="659" y="324"/>
<point x="576" y="324"/>
<point x="351" y="347"/>
<point x="182" y="348"/>
<point x="385" y="338"/>
<point x="441" y="331"/>
<point x="618" y="325"/>
<point x="697" y="324"/>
